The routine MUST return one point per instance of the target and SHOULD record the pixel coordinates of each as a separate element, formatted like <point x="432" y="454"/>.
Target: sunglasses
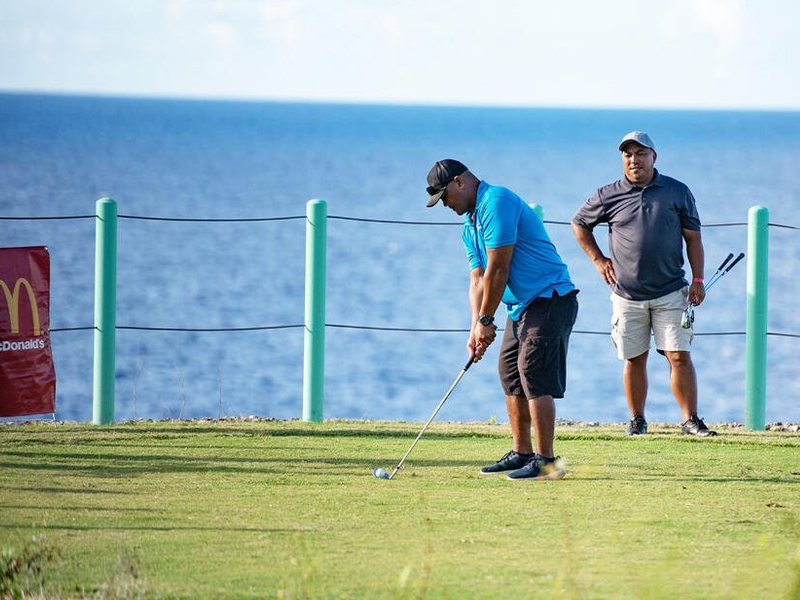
<point x="433" y="190"/>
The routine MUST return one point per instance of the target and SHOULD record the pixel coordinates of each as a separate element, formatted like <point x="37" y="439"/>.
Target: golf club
<point x="722" y="266"/>
<point x="382" y="474"/>
<point x="688" y="314"/>
<point x="720" y="273"/>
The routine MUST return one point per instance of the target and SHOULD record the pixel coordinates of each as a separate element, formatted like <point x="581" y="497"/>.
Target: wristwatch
<point x="486" y="320"/>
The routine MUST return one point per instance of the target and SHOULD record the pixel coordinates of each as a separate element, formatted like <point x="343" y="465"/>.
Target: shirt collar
<point x="480" y="194"/>
<point x="658" y="180"/>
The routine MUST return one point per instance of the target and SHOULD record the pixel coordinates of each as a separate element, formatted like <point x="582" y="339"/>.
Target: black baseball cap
<point x="442" y="173"/>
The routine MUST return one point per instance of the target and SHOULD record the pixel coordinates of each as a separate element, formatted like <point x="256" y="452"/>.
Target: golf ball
<point x="380" y="474"/>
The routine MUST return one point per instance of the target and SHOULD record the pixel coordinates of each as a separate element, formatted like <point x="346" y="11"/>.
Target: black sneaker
<point x="695" y="426"/>
<point x="510" y="462"/>
<point x="636" y="426"/>
<point x="539" y="467"/>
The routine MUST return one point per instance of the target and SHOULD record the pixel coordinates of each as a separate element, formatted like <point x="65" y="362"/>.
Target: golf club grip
<point x="725" y="262"/>
<point x="738" y="258"/>
<point x="720" y="272"/>
<point x="469" y="362"/>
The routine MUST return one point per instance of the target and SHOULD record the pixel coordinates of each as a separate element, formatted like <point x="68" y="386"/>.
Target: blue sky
<point x="582" y="53"/>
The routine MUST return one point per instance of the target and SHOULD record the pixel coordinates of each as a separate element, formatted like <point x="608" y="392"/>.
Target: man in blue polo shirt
<point x="511" y="259"/>
<point x="649" y="217"/>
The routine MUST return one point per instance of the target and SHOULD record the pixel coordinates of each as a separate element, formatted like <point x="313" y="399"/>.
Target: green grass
<point x="291" y="510"/>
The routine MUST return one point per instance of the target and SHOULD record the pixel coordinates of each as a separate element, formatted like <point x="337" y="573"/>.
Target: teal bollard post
<point x="105" y="311"/>
<point x="314" y="343"/>
<point x="756" y="342"/>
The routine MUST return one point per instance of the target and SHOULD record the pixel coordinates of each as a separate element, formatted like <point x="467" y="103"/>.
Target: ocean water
<point x="206" y="159"/>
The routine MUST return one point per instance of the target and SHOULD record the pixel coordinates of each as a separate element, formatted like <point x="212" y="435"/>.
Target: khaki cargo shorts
<point x="633" y="320"/>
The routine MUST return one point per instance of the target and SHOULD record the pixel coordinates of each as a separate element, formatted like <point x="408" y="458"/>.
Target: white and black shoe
<point x="510" y="462"/>
<point x="694" y="426"/>
<point x="539" y="467"/>
<point x="636" y="426"/>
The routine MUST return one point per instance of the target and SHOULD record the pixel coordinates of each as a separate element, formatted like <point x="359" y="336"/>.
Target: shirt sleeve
<point x="468" y="237"/>
<point x="499" y="219"/>
<point x="690" y="219"/>
<point x="591" y="213"/>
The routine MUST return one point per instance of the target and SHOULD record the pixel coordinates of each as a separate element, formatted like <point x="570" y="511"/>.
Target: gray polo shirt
<point x="645" y="233"/>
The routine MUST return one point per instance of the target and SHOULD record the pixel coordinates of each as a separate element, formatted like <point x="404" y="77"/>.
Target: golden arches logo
<point x="12" y="301"/>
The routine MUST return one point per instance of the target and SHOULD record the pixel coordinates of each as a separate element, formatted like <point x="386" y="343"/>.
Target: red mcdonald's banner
<point x="27" y="374"/>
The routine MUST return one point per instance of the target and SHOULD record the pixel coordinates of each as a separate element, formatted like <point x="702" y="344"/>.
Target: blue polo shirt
<point x="503" y="219"/>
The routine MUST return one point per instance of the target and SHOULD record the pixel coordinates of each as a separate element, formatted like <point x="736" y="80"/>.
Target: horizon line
<point x="383" y="102"/>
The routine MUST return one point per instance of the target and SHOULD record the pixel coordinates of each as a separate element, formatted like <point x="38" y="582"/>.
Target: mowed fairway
<point x="276" y="509"/>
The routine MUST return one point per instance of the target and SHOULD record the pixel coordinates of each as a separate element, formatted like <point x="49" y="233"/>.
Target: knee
<point x="637" y="362"/>
<point x="679" y="359"/>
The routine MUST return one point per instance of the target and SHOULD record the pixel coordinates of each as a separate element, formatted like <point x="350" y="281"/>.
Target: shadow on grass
<point x="126" y="465"/>
<point x="682" y="479"/>
<point x="55" y="490"/>
<point x="77" y="508"/>
<point x="223" y="430"/>
<point x="168" y="528"/>
<point x="118" y="434"/>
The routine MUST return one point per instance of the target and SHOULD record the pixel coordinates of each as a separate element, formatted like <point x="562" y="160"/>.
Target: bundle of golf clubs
<point x="688" y="315"/>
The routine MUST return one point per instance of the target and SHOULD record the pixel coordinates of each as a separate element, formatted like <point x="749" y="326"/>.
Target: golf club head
<point x="688" y="317"/>
<point x="380" y="473"/>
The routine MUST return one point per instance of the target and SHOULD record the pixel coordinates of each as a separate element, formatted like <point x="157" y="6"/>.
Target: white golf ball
<point x="380" y="473"/>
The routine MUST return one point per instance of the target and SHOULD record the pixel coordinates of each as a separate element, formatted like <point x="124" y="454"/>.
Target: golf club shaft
<point x="718" y="272"/>
<point x="713" y="281"/>
<point x="446" y="396"/>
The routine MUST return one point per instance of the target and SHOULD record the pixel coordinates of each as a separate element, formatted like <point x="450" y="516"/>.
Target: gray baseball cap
<point x="640" y="137"/>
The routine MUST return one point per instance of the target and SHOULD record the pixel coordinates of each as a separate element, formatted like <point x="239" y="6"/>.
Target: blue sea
<point x="214" y="160"/>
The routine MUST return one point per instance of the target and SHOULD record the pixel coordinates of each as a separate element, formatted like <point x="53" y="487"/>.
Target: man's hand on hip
<point x="606" y="269"/>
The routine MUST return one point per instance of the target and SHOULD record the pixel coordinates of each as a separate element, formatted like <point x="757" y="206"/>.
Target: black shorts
<point x="533" y="355"/>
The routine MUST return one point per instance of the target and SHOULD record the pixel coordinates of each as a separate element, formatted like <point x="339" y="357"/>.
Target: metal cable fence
<point x="340" y="325"/>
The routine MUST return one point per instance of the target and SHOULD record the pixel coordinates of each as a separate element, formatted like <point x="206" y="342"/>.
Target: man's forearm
<point x="587" y="242"/>
<point x="495" y="278"/>
<point x="696" y="255"/>
<point x="695" y="252"/>
<point x="494" y="284"/>
<point x="475" y="296"/>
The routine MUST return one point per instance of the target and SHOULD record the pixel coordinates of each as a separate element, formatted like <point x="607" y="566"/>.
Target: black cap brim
<point x="435" y="198"/>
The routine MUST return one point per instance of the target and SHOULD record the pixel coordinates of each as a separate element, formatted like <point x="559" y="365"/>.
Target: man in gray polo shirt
<point x="649" y="217"/>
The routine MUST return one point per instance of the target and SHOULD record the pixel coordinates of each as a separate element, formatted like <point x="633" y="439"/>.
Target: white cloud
<point x="724" y="19"/>
<point x="281" y="20"/>
<point x="222" y="34"/>
<point x="176" y="9"/>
